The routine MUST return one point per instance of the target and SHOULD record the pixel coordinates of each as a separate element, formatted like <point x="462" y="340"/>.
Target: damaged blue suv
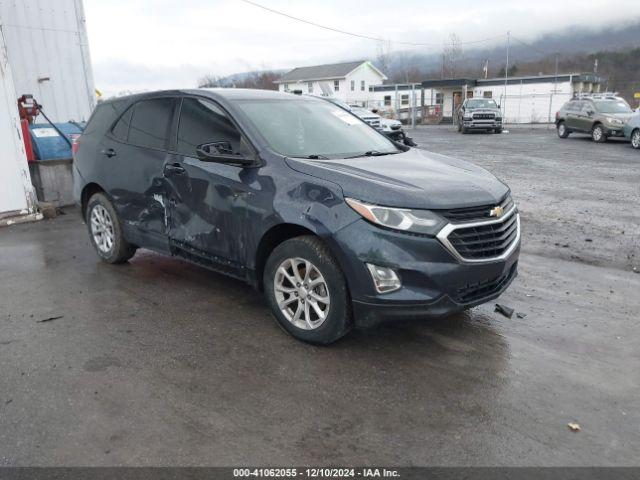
<point x="336" y="224"/>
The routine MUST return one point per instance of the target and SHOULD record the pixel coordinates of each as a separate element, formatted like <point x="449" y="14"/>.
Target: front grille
<point x="474" y="214"/>
<point x="484" y="116"/>
<point x="477" y="291"/>
<point x="485" y="241"/>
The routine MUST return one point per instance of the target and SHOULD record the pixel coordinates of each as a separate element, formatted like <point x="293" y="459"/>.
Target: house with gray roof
<point x="349" y="81"/>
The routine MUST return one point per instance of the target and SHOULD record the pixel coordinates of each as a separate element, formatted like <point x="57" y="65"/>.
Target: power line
<point x="531" y="46"/>
<point x="366" y="37"/>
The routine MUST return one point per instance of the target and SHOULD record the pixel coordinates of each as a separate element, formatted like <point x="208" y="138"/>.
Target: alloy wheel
<point x="302" y="293"/>
<point x="597" y="134"/>
<point x="102" y="229"/>
<point x="635" y="139"/>
<point x="562" y="129"/>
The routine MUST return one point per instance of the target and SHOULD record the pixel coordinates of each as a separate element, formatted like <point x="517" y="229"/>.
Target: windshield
<point x="482" y="103"/>
<point x="311" y="128"/>
<point x="612" y="106"/>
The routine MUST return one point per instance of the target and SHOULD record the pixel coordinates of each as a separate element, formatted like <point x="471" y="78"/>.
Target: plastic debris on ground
<point x="504" y="310"/>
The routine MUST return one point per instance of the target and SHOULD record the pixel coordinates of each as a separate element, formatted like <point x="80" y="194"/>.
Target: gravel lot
<point x="158" y="362"/>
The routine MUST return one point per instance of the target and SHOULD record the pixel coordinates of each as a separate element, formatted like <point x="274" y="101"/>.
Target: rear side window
<point x="121" y="129"/>
<point x="102" y="118"/>
<point x="571" y="106"/>
<point x="202" y="121"/>
<point x="150" y="123"/>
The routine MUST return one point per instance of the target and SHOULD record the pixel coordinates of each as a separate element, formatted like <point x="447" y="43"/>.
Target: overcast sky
<point x="152" y="44"/>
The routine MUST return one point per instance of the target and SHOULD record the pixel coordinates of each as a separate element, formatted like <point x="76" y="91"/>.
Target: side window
<point x="151" y="122"/>
<point x="202" y="121"/>
<point x="574" y="106"/>
<point x="121" y="129"/>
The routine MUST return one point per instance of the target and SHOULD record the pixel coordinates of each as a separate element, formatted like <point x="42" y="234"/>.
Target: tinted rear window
<point x="102" y="117"/>
<point x="151" y="123"/>
<point x="121" y="128"/>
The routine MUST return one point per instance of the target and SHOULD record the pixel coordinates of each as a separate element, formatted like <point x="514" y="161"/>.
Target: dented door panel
<point x="207" y="208"/>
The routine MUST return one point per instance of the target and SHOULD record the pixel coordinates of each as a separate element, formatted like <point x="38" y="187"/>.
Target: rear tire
<point x="563" y="131"/>
<point x="598" y="135"/>
<point x="635" y="139"/>
<point x="302" y="278"/>
<point x="105" y="231"/>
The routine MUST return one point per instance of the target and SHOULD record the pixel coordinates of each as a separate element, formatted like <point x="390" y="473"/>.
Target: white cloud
<point x="149" y="44"/>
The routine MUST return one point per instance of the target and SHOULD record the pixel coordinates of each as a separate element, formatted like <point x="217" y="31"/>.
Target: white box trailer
<point x="17" y="201"/>
<point x="48" y="50"/>
<point x="44" y="53"/>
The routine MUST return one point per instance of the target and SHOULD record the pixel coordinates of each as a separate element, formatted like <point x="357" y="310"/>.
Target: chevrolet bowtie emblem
<point x="496" y="212"/>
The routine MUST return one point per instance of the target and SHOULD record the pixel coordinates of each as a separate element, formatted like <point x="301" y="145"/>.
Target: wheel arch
<point x="273" y="237"/>
<point x="89" y="190"/>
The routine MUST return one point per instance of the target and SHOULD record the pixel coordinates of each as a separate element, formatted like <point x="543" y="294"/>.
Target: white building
<point x="350" y="81"/>
<point x="44" y="52"/>
<point x="532" y="99"/>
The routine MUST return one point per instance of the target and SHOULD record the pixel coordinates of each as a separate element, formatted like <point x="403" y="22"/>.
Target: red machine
<point x="28" y="110"/>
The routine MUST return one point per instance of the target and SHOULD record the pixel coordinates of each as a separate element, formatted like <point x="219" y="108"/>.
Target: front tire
<point x="563" y="131"/>
<point x="635" y="139"/>
<point x="598" y="134"/>
<point x="307" y="291"/>
<point x="105" y="231"/>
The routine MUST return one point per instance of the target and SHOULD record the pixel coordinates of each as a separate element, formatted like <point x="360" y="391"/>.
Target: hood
<point x="483" y="110"/>
<point x="412" y="179"/>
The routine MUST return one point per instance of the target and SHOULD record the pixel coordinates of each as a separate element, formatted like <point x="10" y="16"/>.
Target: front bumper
<point x="488" y="124"/>
<point x="614" y="131"/>
<point x="434" y="282"/>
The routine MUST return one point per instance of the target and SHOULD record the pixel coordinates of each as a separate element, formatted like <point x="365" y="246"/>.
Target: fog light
<point x="384" y="279"/>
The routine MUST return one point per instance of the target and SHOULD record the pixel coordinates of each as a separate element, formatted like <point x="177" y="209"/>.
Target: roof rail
<point x="598" y="95"/>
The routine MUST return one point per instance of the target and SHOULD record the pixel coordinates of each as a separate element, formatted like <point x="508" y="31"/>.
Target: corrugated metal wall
<point x="47" y="46"/>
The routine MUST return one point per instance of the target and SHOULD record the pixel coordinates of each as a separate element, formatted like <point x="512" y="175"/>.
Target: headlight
<point x="408" y="220"/>
<point x="614" y="121"/>
<point x="468" y="117"/>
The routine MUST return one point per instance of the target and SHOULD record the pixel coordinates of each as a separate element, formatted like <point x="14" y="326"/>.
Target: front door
<point x="208" y="200"/>
<point x="135" y="153"/>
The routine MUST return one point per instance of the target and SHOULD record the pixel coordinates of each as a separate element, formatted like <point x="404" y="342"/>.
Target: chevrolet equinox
<point x="336" y="224"/>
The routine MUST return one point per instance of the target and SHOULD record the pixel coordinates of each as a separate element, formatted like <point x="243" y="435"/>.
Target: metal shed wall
<point x="47" y="39"/>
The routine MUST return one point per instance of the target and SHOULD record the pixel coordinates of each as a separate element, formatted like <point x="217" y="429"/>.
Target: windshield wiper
<point x="372" y="153"/>
<point x="314" y="156"/>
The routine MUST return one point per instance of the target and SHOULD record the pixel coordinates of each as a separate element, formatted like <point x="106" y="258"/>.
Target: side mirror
<point x="221" y="152"/>
<point x="590" y="112"/>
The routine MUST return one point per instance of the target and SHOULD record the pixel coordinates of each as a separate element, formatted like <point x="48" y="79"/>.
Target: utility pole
<point x="413" y="105"/>
<point x="506" y="76"/>
<point x="555" y="89"/>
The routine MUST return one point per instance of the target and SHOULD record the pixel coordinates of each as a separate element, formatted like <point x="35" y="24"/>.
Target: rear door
<point x="208" y="201"/>
<point x="136" y="151"/>
<point x="573" y="115"/>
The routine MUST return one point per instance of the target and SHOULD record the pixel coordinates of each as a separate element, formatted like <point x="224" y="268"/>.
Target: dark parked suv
<point x="336" y="224"/>
<point x="600" y="115"/>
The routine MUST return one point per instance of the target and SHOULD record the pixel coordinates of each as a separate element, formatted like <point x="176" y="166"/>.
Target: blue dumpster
<point x="47" y="142"/>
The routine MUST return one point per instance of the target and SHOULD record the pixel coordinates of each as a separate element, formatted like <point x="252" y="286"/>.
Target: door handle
<point x="109" y="152"/>
<point x="174" y="169"/>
